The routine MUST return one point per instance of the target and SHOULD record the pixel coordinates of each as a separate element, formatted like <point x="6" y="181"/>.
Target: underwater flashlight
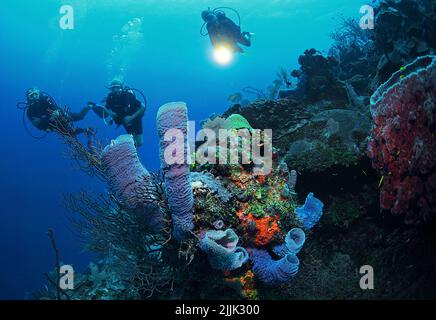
<point x="223" y="55"/>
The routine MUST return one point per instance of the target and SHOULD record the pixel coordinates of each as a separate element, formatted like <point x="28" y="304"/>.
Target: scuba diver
<point x="46" y="115"/>
<point x="223" y="31"/>
<point x="124" y="109"/>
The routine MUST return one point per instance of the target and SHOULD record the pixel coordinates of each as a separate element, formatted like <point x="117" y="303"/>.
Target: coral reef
<point x="403" y="144"/>
<point x="199" y="204"/>
<point x="207" y="180"/>
<point x="266" y="228"/>
<point x="321" y="128"/>
<point x="318" y="78"/>
<point x="173" y="116"/>
<point x="406" y="30"/>
<point x="245" y="285"/>
<point x="311" y="137"/>
<point x="236" y="121"/>
<point x="214" y="123"/>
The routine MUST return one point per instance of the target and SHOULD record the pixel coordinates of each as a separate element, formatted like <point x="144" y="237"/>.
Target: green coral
<point x="236" y="121"/>
<point x="266" y="200"/>
<point x="342" y="213"/>
<point x="209" y="209"/>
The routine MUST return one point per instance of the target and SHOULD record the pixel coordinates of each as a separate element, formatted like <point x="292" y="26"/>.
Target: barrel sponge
<point x="169" y="117"/>
<point x="220" y="247"/>
<point x="311" y="212"/>
<point x="403" y="145"/>
<point x="177" y="176"/>
<point x="273" y="272"/>
<point x="124" y="170"/>
<point x="294" y="242"/>
<point x="128" y="179"/>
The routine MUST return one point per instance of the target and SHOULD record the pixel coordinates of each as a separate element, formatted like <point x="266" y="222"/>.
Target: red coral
<point x="403" y="144"/>
<point x="261" y="179"/>
<point x="266" y="227"/>
<point x="245" y="285"/>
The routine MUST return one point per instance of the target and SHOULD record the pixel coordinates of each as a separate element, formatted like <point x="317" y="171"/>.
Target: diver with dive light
<point x="223" y="31"/>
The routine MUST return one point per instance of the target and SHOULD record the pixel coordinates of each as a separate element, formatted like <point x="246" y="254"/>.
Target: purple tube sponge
<point x="172" y="120"/>
<point x="223" y="254"/>
<point x="219" y="224"/>
<point x="128" y="179"/>
<point x="272" y="272"/>
<point x="311" y="212"/>
<point x="294" y="241"/>
<point x="292" y="181"/>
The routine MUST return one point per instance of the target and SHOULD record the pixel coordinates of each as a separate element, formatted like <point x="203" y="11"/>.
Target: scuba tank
<point x="220" y="10"/>
<point x="101" y="110"/>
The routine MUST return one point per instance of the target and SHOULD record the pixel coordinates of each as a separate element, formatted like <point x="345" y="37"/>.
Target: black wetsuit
<point x="44" y="107"/>
<point x="224" y="30"/>
<point x="125" y="104"/>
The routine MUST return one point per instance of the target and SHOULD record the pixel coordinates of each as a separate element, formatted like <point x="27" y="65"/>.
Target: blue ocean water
<point x="165" y="57"/>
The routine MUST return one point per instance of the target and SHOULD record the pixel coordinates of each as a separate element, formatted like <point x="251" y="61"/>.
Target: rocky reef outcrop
<point x="405" y="30"/>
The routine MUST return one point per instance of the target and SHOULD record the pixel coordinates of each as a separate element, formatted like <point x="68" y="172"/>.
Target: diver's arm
<point x="78" y="116"/>
<point x="128" y="119"/>
<point x="139" y="113"/>
<point x="101" y="111"/>
<point x="111" y="114"/>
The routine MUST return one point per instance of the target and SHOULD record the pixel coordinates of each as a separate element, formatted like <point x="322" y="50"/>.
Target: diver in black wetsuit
<point x="45" y="114"/>
<point x="124" y="109"/>
<point x="224" y="32"/>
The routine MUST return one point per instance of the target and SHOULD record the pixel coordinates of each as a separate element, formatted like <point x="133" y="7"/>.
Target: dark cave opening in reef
<point x="339" y="180"/>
